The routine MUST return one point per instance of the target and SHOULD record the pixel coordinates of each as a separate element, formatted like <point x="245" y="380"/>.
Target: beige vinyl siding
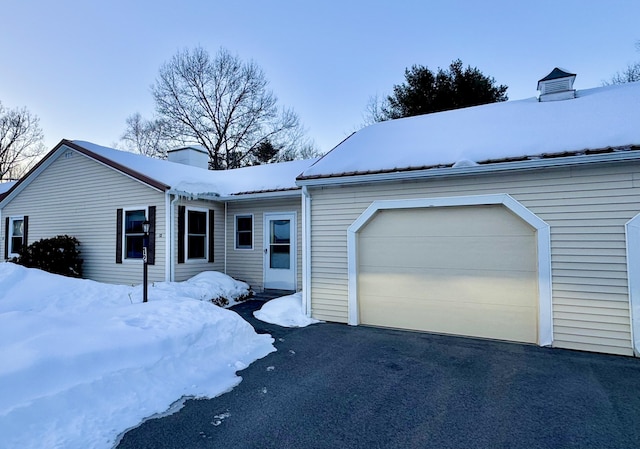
<point x="586" y="208"/>
<point x="247" y="264"/>
<point x="79" y="197"/>
<point x="190" y="268"/>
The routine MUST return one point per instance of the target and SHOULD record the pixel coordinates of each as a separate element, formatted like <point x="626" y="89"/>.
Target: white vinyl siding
<point x="79" y="197"/>
<point x="586" y="208"/>
<point x="247" y="264"/>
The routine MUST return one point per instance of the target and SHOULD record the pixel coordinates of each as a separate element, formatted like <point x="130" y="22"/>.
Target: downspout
<point x="167" y="237"/>
<point x="225" y="237"/>
<point x="306" y="251"/>
<point x="171" y="244"/>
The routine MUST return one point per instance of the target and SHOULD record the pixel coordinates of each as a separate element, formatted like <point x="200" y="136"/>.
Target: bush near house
<point x="57" y="255"/>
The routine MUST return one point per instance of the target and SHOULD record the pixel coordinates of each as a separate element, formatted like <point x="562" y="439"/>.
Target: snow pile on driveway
<point x="82" y="361"/>
<point x="285" y="311"/>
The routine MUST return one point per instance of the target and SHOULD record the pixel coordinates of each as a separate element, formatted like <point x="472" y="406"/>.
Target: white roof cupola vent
<point x="557" y="85"/>
<point x="195" y="156"/>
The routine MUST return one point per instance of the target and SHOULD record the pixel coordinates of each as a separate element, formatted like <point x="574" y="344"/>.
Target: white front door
<point x="280" y="251"/>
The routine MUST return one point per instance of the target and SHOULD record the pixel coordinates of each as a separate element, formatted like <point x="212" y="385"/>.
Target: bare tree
<point x="21" y="142"/>
<point x="225" y="105"/>
<point x="628" y="75"/>
<point x="376" y="110"/>
<point x="147" y="137"/>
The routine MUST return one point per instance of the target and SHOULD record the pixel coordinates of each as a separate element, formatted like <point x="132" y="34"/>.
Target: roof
<point x="5" y="187"/>
<point x="596" y="120"/>
<point x="556" y="74"/>
<point x="184" y="179"/>
<point x="195" y="180"/>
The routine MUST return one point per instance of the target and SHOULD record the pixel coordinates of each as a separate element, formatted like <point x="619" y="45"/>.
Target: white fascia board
<point x="306" y="252"/>
<point x="543" y="236"/>
<point x="530" y="164"/>
<point x="632" y="232"/>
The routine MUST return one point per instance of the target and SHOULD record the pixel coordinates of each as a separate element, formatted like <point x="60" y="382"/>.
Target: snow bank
<point x="285" y="311"/>
<point x="84" y="361"/>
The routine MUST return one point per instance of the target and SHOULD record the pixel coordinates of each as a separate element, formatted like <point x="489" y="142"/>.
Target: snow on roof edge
<point x="492" y="133"/>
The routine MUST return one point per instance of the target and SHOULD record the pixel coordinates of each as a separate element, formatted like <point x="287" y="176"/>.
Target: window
<point x="244" y="231"/>
<point x="196" y="234"/>
<point x="16" y="236"/>
<point x="130" y="234"/>
<point x="133" y="233"/>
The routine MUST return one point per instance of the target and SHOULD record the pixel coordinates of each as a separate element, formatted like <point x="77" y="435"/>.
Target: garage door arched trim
<point x="545" y="321"/>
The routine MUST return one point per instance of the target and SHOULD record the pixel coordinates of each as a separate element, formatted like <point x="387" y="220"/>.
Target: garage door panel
<point x="493" y="253"/>
<point x="517" y="289"/>
<point x="476" y="320"/>
<point x="450" y="221"/>
<point x="469" y="270"/>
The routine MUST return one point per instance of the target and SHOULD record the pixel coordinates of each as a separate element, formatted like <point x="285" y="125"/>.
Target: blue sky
<point x="84" y="66"/>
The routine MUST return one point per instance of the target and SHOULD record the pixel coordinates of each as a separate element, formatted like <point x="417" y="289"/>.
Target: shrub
<point x="57" y="255"/>
<point x="221" y="301"/>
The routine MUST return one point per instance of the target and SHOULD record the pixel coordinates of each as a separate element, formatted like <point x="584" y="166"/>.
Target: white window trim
<point x="10" y="236"/>
<point x="186" y="235"/>
<point x="235" y="232"/>
<point x="126" y="259"/>
<point x="543" y="236"/>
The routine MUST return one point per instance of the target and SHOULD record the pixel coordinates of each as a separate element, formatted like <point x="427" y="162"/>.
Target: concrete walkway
<point x="336" y="386"/>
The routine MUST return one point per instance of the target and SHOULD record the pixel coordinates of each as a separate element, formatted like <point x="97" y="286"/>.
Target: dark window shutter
<point x="151" y="256"/>
<point x="181" y="210"/>
<point x="211" y="237"/>
<point x="6" y="238"/>
<point x="119" y="236"/>
<point x="25" y="232"/>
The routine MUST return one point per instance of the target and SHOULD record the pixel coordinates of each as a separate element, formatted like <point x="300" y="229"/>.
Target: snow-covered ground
<point x="81" y="361"/>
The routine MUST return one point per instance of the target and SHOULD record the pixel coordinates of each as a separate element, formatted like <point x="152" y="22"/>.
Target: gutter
<point x="306" y="251"/>
<point x="292" y="192"/>
<point x="225" y="237"/>
<point x="530" y="164"/>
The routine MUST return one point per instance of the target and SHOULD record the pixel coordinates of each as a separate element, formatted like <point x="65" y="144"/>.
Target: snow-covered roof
<point x="5" y="186"/>
<point x="599" y="118"/>
<point x="198" y="181"/>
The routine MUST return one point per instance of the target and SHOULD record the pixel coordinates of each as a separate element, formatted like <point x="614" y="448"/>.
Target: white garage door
<point x="468" y="270"/>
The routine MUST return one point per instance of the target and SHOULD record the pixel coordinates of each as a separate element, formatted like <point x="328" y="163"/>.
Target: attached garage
<point x="503" y="221"/>
<point x="475" y="266"/>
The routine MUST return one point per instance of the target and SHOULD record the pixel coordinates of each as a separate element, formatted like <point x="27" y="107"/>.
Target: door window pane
<point x="280" y="231"/>
<point x="280" y="257"/>
<point x="280" y="244"/>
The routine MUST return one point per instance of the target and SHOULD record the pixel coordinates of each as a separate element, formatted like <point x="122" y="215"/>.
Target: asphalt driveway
<point x="337" y="386"/>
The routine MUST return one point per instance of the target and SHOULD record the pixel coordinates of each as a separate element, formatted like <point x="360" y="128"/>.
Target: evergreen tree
<point x="424" y="92"/>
